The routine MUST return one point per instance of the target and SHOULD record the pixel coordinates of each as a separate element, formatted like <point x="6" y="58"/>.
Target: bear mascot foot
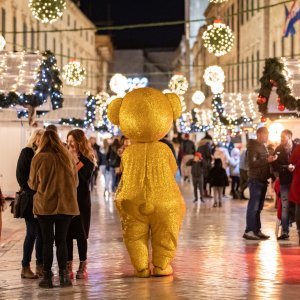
<point x="142" y="274"/>
<point x="163" y="272"/>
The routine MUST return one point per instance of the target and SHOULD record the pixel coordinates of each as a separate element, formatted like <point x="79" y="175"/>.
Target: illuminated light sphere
<point x="47" y="11"/>
<point x="178" y="84"/>
<point x="198" y="97"/>
<point x="73" y="73"/>
<point x="2" y="42"/>
<point x="218" y="38"/>
<point x="275" y="130"/>
<point x="118" y="84"/>
<point x="213" y="75"/>
<point x="217" y="88"/>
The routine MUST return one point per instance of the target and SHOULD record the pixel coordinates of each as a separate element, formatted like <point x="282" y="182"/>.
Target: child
<point x="218" y="181"/>
<point x="197" y="164"/>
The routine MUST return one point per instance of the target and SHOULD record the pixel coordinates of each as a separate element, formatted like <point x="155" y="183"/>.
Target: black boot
<point x="64" y="278"/>
<point x="46" y="282"/>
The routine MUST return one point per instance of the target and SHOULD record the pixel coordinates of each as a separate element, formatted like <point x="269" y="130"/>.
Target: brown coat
<point x="56" y="188"/>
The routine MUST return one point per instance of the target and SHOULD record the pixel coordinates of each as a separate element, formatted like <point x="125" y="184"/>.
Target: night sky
<point x="122" y="12"/>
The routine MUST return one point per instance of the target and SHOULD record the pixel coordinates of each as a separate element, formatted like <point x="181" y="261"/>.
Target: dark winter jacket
<point x="280" y="165"/>
<point x="197" y="168"/>
<point x="217" y="176"/>
<point x="170" y="145"/>
<point x="259" y="167"/>
<point x="188" y="147"/>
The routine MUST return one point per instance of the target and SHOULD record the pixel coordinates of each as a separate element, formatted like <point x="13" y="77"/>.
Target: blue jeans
<point x="33" y="236"/>
<point x="258" y="192"/>
<point x="284" y="195"/>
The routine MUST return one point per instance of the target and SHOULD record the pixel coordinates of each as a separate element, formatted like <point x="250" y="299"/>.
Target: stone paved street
<point x="212" y="262"/>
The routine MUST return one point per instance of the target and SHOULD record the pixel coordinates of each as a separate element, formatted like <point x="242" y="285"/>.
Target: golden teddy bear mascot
<point x="148" y="198"/>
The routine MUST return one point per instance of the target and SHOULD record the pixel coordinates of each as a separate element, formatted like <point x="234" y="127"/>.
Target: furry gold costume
<point x="148" y="198"/>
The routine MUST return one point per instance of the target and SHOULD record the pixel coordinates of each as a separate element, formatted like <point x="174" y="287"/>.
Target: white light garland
<point x="47" y="11"/>
<point x="118" y="84"/>
<point x="218" y="38"/>
<point x="198" y="97"/>
<point x="178" y="84"/>
<point x="73" y="73"/>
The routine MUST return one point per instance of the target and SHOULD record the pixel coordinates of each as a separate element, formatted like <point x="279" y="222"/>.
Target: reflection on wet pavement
<point x="212" y="262"/>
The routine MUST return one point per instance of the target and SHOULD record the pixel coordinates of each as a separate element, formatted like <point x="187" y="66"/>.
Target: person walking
<point x="33" y="235"/>
<point x="234" y="171"/>
<point x="259" y="162"/>
<point x="85" y="160"/>
<point x="53" y="176"/>
<point x="197" y="164"/>
<point x="187" y="148"/>
<point x="218" y="180"/>
<point x="243" y="174"/>
<point x="113" y="161"/>
<point x="284" y="172"/>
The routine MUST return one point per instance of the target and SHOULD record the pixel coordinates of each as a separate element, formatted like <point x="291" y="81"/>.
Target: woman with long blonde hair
<point x="54" y="177"/>
<point x="33" y="235"/>
<point x="85" y="160"/>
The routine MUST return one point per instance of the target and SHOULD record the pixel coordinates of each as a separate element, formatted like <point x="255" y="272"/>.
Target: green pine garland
<point x="272" y="75"/>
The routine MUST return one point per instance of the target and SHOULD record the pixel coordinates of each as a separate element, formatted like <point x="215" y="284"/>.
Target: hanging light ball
<point x="217" y="88"/>
<point x="118" y="84"/>
<point x="47" y="11"/>
<point x="2" y="42"/>
<point x="73" y="73"/>
<point x="178" y="84"/>
<point x="218" y="38"/>
<point x="198" y="97"/>
<point x="213" y="74"/>
<point x="281" y="107"/>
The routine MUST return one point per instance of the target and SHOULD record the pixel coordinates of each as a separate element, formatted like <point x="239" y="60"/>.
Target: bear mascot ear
<point x="113" y="110"/>
<point x="176" y="105"/>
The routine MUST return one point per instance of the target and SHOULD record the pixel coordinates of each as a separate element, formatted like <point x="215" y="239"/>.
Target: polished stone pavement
<point x="212" y="262"/>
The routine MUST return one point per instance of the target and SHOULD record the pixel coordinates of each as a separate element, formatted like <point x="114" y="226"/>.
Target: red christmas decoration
<point x="261" y="100"/>
<point x="263" y="119"/>
<point x="281" y="107"/>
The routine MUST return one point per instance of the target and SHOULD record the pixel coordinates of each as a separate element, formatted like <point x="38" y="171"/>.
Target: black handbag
<point x="21" y="206"/>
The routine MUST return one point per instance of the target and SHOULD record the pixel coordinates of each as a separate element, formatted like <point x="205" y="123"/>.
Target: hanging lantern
<point x="47" y="11"/>
<point x="118" y="84"/>
<point x="178" y="84"/>
<point x="218" y="38"/>
<point x="2" y="42"/>
<point x="281" y="107"/>
<point x="213" y="75"/>
<point x="198" y="97"/>
<point x="73" y="73"/>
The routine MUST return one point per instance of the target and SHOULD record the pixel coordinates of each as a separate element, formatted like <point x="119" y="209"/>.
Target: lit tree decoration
<point x="213" y="75"/>
<point x="118" y="84"/>
<point x="198" y="97"/>
<point x="178" y="84"/>
<point x="2" y="42"/>
<point x="73" y="73"/>
<point x="217" y="88"/>
<point x="218" y="38"/>
<point x="47" y="11"/>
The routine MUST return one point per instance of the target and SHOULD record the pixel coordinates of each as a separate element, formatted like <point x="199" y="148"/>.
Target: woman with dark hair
<point x="83" y="155"/>
<point x="53" y="176"/>
<point x="33" y="235"/>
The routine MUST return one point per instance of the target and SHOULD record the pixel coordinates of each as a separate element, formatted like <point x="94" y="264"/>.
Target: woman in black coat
<point x="33" y="232"/>
<point x="85" y="159"/>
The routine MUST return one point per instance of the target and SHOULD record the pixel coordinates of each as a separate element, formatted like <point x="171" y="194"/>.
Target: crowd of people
<point x="59" y="177"/>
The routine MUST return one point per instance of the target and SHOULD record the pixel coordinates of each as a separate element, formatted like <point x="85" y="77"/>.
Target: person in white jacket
<point x="234" y="170"/>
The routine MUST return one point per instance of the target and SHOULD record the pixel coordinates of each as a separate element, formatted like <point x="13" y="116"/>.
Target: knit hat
<point x="198" y="154"/>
